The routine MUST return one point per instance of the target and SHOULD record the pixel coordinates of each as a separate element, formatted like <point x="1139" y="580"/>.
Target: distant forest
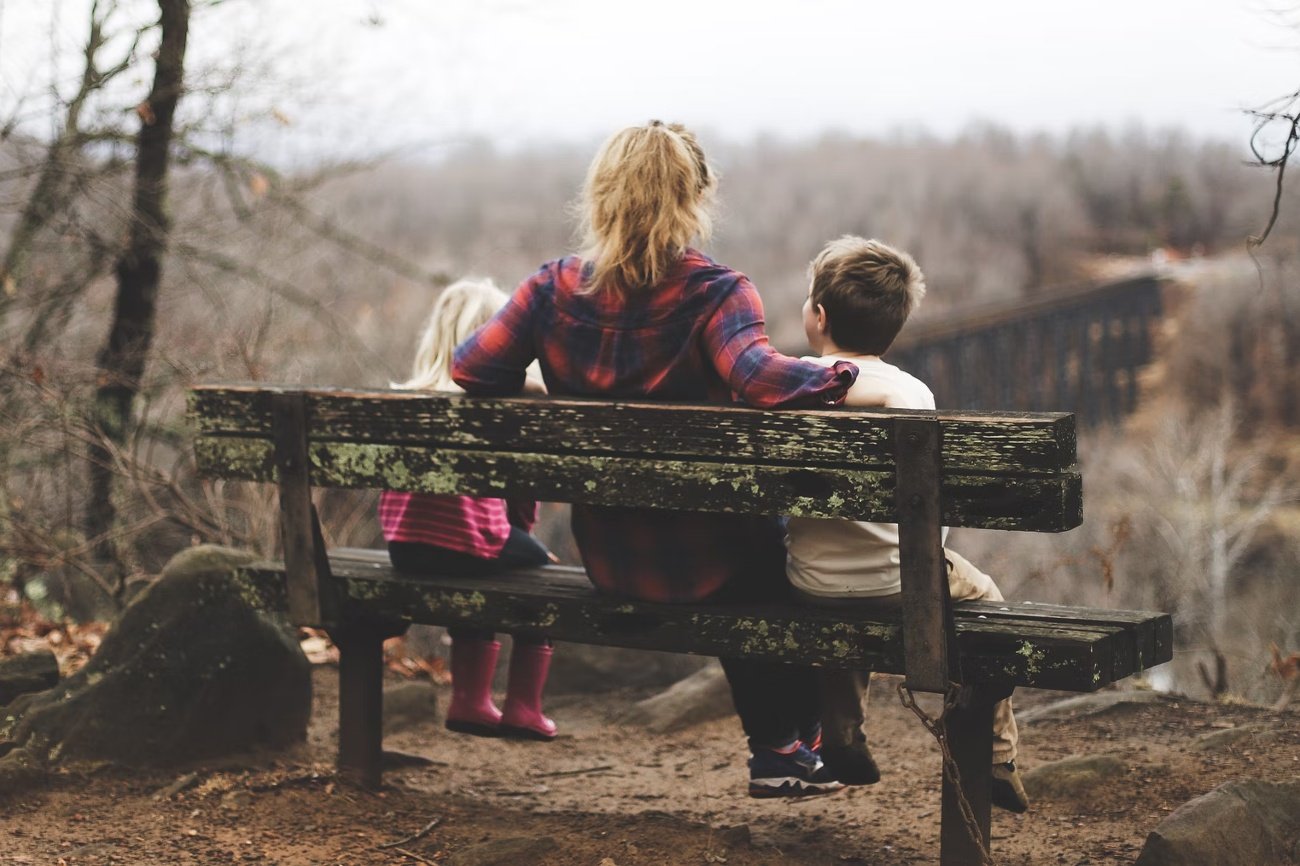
<point x="989" y="215"/>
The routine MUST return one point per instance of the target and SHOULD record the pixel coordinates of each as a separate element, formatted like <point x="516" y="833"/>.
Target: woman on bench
<point x="641" y="314"/>
<point x="472" y="536"/>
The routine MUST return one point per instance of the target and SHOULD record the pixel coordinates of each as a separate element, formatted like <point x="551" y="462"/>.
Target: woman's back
<point x="647" y="345"/>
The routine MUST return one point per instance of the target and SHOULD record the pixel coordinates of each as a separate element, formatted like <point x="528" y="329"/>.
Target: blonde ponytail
<point x="648" y="195"/>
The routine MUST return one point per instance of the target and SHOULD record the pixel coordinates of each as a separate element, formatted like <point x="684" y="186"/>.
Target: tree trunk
<point x="122" y="361"/>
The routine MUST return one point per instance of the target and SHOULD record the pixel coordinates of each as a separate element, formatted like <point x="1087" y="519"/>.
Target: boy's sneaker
<point x="1008" y="792"/>
<point x="798" y="773"/>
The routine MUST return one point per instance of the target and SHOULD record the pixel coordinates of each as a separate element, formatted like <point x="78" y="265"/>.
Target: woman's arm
<point x="760" y="375"/>
<point x="493" y="361"/>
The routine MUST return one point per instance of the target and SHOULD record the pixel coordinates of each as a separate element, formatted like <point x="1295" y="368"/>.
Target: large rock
<point x="189" y="671"/>
<point x="1089" y="705"/>
<point x="581" y="668"/>
<point x="1244" y="735"/>
<point x="1072" y="778"/>
<point x="1242" y="822"/>
<point x="29" y="672"/>
<point x="701" y="697"/>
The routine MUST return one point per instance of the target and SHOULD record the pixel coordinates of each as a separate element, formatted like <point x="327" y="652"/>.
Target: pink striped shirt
<point x="477" y="526"/>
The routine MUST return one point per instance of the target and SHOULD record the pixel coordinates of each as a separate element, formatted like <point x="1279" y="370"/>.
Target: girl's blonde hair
<point x="461" y="309"/>
<point x="649" y="193"/>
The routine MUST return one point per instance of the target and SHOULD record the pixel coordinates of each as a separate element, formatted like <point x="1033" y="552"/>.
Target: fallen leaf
<point x="258" y="185"/>
<point x="1286" y="667"/>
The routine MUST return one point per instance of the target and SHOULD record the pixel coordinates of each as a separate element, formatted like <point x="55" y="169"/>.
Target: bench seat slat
<point x="1153" y="631"/>
<point x="1048" y="503"/>
<point x="1141" y="639"/>
<point x="1025" y="652"/>
<point x="972" y="441"/>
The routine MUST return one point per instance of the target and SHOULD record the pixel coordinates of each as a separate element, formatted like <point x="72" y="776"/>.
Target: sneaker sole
<point x="854" y="776"/>
<point x="791" y="787"/>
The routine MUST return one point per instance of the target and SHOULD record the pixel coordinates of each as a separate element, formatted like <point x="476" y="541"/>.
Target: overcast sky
<point x="378" y="73"/>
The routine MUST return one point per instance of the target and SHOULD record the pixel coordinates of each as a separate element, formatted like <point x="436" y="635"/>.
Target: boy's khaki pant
<point x="844" y="693"/>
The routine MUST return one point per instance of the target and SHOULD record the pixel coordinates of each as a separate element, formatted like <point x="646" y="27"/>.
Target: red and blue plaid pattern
<point x="699" y="336"/>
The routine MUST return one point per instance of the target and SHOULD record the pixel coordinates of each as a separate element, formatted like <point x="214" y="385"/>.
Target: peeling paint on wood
<point x="972" y="441"/>
<point x="1047" y="503"/>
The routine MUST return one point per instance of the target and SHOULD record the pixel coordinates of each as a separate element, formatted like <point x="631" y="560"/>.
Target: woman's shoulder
<point x="701" y="265"/>
<point x="564" y="274"/>
<point x="713" y="280"/>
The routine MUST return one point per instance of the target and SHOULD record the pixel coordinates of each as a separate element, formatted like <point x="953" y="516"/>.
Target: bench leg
<point x="361" y="702"/>
<point x="969" y="731"/>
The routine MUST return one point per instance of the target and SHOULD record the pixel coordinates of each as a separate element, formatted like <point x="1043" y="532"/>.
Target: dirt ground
<point x="608" y="795"/>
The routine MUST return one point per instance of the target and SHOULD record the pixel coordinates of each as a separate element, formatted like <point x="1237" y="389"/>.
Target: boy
<point x="860" y="295"/>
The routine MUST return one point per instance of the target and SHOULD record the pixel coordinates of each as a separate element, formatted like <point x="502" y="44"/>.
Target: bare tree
<point x="1208" y="496"/>
<point x="1281" y="114"/>
<point x="85" y="393"/>
<point x="63" y="167"/>
<point x="122" y="361"/>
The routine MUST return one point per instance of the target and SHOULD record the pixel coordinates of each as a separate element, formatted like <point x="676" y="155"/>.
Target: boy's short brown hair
<point x="868" y="289"/>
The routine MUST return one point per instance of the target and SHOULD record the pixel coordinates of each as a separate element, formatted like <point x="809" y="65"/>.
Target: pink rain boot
<point x="521" y="716"/>
<point x="473" y="663"/>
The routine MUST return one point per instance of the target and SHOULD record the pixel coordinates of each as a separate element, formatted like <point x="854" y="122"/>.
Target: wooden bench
<point x="923" y="470"/>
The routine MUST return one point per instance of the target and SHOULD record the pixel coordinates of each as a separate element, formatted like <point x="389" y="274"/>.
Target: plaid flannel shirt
<point x="699" y="336"/>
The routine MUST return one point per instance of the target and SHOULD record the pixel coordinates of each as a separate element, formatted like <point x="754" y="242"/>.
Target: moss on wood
<point x="1032" y="651"/>
<point x="1039" y="503"/>
<point x="972" y="441"/>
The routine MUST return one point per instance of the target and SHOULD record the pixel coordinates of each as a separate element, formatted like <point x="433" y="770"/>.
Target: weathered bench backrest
<point x="921" y="470"/>
<point x="999" y="470"/>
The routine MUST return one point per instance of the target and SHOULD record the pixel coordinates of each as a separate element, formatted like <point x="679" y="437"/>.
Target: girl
<point x="466" y="535"/>
<point x="642" y="314"/>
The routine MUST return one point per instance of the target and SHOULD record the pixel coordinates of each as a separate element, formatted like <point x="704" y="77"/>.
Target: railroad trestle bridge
<point x="1076" y="349"/>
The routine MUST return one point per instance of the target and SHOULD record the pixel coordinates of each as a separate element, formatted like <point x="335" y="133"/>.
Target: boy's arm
<point x="868" y="397"/>
<point x="873" y="394"/>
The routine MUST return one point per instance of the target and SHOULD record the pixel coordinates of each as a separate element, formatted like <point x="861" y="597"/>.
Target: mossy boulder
<point x="189" y="671"/>
<point x="1240" y="822"/>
